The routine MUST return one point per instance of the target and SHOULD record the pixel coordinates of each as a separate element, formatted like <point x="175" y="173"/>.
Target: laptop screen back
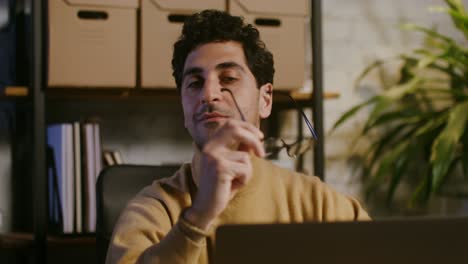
<point x="395" y="241"/>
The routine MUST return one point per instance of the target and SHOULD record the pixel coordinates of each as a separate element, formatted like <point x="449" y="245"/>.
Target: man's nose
<point x="211" y="91"/>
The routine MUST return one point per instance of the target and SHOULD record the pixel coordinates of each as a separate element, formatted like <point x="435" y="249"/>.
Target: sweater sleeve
<point x="145" y="234"/>
<point x="336" y="206"/>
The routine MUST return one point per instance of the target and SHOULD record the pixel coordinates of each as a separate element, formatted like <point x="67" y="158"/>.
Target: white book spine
<point x="98" y="161"/>
<point x="63" y="194"/>
<point x="98" y="149"/>
<point x="77" y="155"/>
<point x="91" y="178"/>
<point x="70" y="179"/>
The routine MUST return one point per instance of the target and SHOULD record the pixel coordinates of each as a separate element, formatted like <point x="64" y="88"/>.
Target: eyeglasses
<point x="274" y="145"/>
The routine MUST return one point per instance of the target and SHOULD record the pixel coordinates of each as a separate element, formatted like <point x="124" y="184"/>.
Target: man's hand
<point x="224" y="168"/>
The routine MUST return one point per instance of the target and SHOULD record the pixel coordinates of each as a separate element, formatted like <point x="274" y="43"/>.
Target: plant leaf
<point x="443" y="148"/>
<point x="372" y="154"/>
<point x="405" y="116"/>
<point x="381" y="105"/>
<point x="386" y="165"/>
<point x="464" y="154"/>
<point x="366" y="71"/>
<point x="399" y="91"/>
<point x="431" y="125"/>
<point x="424" y="62"/>
<point x="422" y="191"/>
<point x="427" y="31"/>
<point x="351" y="112"/>
<point x="400" y="166"/>
<point x="387" y="99"/>
<point x="459" y="15"/>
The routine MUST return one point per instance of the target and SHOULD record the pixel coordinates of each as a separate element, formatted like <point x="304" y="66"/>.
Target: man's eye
<point x="194" y="84"/>
<point x="228" y="79"/>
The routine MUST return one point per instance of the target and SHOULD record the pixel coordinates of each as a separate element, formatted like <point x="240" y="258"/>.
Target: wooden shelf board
<point x="307" y="95"/>
<point x="72" y="239"/>
<point x="26" y="240"/>
<point x="152" y="94"/>
<point x="16" y="240"/>
<point x="110" y="94"/>
<point x="14" y="93"/>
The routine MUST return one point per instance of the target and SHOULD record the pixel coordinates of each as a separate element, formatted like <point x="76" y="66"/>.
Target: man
<point x="219" y="62"/>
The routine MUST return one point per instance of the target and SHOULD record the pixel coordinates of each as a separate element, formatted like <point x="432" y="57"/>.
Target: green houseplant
<point x="421" y="120"/>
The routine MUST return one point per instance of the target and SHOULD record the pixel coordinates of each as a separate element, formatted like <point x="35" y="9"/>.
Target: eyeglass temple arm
<point x="309" y="124"/>
<point x="235" y="102"/>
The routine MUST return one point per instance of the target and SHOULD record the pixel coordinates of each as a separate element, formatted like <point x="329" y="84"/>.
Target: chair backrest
<point x="115" y="186"/>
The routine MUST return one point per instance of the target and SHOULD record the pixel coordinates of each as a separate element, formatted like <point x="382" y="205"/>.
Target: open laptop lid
<point x="391" y="241"/>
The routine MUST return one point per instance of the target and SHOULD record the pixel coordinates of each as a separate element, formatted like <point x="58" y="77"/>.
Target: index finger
<point x="247" y="135"/>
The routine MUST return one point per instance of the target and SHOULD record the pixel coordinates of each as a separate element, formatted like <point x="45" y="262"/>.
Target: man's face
<point x="209" y="68"/>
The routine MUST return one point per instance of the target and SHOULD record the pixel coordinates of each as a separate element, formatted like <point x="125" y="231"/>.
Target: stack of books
<point x="74" y="162"/>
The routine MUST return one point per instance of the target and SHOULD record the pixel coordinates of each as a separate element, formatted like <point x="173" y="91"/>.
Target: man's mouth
<point x="211" y="117"/>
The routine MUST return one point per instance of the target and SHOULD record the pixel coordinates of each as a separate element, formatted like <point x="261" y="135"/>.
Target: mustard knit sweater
<point x="149" y="230"/>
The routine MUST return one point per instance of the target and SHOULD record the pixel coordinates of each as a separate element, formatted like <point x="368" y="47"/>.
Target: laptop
<point x="443" y="240"/>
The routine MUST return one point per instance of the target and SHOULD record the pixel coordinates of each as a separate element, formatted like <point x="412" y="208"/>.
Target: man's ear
<point x="265" y="100"/>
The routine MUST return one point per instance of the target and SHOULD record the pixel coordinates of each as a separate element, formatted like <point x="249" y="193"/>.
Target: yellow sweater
<point x="149" y="230"/>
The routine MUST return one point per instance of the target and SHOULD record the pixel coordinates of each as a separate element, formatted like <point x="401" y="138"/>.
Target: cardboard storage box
<point x="92" y="43"/>
<point x="161" y="25"/>
<point x="282" y="26"/>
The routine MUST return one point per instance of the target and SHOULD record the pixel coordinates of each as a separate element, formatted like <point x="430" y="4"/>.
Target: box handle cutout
<point x="96" y="15"/>
<point x="268" y="22"/>
<point x="175" y="18"/>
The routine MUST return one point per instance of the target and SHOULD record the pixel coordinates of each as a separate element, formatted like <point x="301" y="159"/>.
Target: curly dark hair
<point x="218" y="26"/>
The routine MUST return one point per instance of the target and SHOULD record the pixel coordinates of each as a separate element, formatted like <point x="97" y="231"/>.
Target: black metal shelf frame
<point x="37" y="85"/>
<point x="317" y="80"/>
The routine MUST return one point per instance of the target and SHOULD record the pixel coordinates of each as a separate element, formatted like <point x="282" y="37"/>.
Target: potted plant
<point x="418" y="125"/>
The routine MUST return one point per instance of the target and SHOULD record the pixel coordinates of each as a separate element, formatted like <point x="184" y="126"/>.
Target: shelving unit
<point x="38" y="95"/>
